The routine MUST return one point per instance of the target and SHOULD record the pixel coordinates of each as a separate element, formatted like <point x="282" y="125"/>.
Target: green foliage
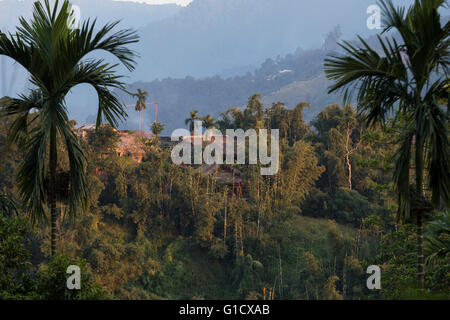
<point x="157" y="128"/>
<point x="330" y="292"/>
<point x="437" y="240"/>
<point x="154" y="230"/>
<point x="397" y="253"/>
<point x="247" y="276"/>
<point x="16" y="278"/>
<point x="52" y="281"/>
<point x="103" y="141"/>
<point x="7" y="206"/>
<point x="52" y="167"/>
<point x="209" y="122"/>
<point x="19" y="279"/>
<point x="141" y="97"/>
<point x="407" y="80"/>
<point x="191" y="121"/>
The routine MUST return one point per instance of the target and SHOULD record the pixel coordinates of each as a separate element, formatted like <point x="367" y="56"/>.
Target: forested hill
<point x="222" y="37"/>
<point x="291" y="79"/>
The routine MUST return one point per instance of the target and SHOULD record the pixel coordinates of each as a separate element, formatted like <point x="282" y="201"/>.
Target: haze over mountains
<point x="132" y="14"/>
<point x="210" y="37"/>
<point x="213" y="54"/>
<point x="291" y="79"/>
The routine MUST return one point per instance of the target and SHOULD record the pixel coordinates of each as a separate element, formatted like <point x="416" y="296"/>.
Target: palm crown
<point x="209" y="122"/>
<point x="55" y="57"/>
<point x="141" y="100"/>
<point x="406" y="79"/>
<point x="190" y="121"/>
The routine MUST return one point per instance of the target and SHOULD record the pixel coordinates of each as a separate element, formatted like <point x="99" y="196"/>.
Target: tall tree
<point x="141" y="104"/>
<point x="157" y="128"/>
<point x="408" y="80"/>
<point x="190" y="121"/>
<point x="254" y="112"/>
<point x="209" y="122"/>
<point x="54" y="55"/>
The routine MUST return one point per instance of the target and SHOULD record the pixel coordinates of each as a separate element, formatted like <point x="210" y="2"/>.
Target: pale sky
<point x="180" y="2"/>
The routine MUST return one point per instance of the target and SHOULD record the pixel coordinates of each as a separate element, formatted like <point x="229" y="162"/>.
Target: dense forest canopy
<point x="154" y="229"/>
<point x="347" y="196"/>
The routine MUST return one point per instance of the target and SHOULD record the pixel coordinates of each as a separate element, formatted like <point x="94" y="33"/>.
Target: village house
<point x="129" y="144"/>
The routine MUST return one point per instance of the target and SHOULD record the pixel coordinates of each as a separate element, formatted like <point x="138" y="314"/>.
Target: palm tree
<point x="406" y="81"/>
<point x="141" y="103"/>
<point x="209" y="122"/>
<point x="237" y="117"/>
<point x="157" y="128"/>
<point x="54" y="55"/>
<point x="190" y="121"/>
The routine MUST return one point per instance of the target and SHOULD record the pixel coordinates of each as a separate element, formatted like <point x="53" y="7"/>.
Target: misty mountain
<point x="211" y="37"/>
<point x="294" y="78"/>
<point x="13" y="78"/>
<point x="227" y="38"/>
<point x="291" y="79"/>
<point x="132" y="14"/>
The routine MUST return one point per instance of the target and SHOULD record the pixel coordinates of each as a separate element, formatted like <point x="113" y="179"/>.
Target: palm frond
<point x="103" y="79"/>
<point x="405" y="80"/>
<point x="380" y="81"/>
<point x="55" y="57"/>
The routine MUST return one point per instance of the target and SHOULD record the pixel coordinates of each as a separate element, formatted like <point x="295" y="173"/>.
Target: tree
<point x="157" y="128"/>
<point x="437" y="239"/>
<point x="54" y="55"/>
<point x="15" y="279"/>
<point x="407" y="80"/>
<point x="330" y="291"/>
<point x="298" y="125"/>
<point x="235" y="122"/>
<point x="104" y="140"/>
<point x="254" y="113"/>
<point x="331" y="146"/>
<point x="52" y="281"/>
<point x="190" y="121"/>
<point x="141" y="103"/>
<point x="209" y="122"/>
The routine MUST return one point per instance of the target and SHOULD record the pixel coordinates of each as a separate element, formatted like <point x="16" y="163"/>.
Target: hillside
<point x="210" y="37"/>
<point x="228" y="38"/>
<point x="294" y="78"/>
<point x="131" y="14"/>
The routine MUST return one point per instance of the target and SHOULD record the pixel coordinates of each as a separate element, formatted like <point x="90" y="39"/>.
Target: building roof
<point x="87" y="127"/>
<point x="129" y="142"/>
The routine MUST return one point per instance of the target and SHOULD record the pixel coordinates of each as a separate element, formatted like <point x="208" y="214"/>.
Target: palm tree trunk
<point x="52" y="196"/>
<point x="420" y="191"/>
<point x="347" y="157"/>
<point x="139" y="122"/>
